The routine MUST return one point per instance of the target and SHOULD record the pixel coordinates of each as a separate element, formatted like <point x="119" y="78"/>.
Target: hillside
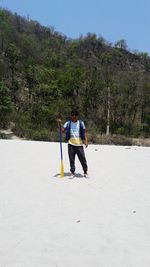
<point x="43" y="74"/>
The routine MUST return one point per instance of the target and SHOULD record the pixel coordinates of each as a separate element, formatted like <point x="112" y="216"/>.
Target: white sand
<point x="46" y="221"/>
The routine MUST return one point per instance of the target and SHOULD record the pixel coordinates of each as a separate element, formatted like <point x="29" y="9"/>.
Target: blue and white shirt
<point x="75" y="138"/>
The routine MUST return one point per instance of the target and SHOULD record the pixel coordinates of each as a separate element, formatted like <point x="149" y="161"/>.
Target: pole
<point x="108" y="112"/>
<point x="61" y="154"/>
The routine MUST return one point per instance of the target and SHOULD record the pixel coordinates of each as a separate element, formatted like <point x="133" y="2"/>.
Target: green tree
<point x="5" y="105"/>
<point x="121" y="44"/>
<point x="13" y="56"/>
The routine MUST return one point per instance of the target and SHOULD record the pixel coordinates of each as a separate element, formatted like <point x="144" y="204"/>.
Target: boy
<point x="76" y="137"/>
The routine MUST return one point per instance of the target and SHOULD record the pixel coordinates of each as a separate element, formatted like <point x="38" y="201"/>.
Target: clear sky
<point x="111" y="19"/>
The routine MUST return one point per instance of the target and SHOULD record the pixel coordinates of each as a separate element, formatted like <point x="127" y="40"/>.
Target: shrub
<point x="3" y="136"/>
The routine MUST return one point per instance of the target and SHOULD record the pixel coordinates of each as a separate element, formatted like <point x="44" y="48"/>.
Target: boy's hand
<point x="86" y="143"/>
<point x="59" y="121"/>
<point x="59" y="124"/>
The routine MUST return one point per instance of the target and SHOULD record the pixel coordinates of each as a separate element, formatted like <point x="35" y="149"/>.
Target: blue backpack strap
<point x="82" y="130"/>
<point x="68" y="130"/>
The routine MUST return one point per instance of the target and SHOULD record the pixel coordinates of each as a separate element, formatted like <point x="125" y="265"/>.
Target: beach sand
<point x="48" y="221"/>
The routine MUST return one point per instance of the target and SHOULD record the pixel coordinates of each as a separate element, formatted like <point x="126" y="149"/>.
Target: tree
<point x="5" y="29"/>
<point x="13" y="55"/>
<point x="121" y="44"/>
<point x="5" y="105"/>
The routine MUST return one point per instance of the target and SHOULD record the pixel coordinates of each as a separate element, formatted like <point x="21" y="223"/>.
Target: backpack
<point x="81" y="129"/>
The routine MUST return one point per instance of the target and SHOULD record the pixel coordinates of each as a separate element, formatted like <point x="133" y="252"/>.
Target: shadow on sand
<point x="67" y="174"/>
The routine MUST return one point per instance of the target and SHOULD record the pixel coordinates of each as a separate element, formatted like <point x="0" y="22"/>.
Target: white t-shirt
<point x="75" y="138"/>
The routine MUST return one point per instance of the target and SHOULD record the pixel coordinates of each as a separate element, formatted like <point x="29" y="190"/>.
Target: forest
<point x="44" y="74"/>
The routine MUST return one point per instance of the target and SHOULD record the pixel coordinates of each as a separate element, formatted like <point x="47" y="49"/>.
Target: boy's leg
<point x="81" y="156"/>
<point x="71" y="153"/>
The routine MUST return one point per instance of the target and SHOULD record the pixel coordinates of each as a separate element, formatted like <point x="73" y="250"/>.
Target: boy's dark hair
<point x="74" y="112"/>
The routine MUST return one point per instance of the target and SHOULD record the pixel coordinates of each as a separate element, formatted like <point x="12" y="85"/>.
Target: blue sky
<point x="111" y="19"/>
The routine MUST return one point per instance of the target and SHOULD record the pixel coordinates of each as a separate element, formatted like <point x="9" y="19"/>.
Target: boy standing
<point x="76" y="136"/>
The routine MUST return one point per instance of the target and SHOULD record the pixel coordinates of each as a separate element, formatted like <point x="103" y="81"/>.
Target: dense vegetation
<point x="43" y="74"/>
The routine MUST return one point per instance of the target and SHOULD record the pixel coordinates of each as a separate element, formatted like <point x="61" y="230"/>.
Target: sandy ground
<point x="48" y="221"/>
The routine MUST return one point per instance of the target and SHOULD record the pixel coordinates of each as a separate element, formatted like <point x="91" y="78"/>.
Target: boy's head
<point x="74" y="112"/>
<point x="74" y="115"/>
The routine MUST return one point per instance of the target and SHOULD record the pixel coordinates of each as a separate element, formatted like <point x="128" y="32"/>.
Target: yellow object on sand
<point x="62" y="169"/>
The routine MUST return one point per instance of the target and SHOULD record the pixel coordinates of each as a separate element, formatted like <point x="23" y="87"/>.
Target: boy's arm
<point x="59" y="121"/>
<point x="86" y="140"/>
